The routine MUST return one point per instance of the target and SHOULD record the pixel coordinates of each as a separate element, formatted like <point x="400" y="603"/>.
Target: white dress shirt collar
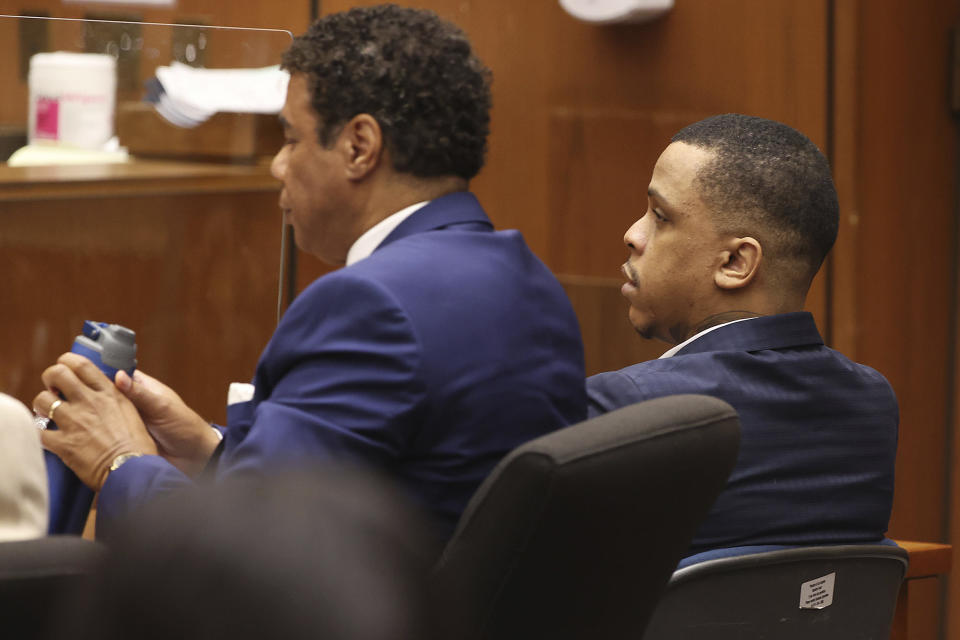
<point x="372" y="237"/>
<point x="673" y="350"/>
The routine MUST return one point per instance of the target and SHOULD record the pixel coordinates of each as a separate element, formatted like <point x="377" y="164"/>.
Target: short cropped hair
<point x="767" y="179"/>
<point x="413" y="72"/>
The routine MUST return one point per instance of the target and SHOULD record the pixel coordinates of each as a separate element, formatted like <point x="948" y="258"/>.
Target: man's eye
<point x="660" y="218"/>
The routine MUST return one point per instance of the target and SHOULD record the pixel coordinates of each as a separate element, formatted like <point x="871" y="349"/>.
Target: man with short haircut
<point x="438" y="348"/>
<point x="742" y="212"/>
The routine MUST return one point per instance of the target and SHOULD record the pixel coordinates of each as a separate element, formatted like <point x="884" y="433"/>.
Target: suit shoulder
<point x="348" y="283"/>
<point x="345" y="302"/>
<point x="642" y="381"/>
<point x="867" y="374"/>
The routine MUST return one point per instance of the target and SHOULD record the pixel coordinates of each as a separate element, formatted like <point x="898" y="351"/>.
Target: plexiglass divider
<point x="93" y="91"/>
<point x="106" y="92"/>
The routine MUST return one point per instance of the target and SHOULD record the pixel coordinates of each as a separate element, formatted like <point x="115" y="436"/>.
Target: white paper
<point x="817" y="593"/>
<point x="239" y="392"/>
<point x="208" y="91"/>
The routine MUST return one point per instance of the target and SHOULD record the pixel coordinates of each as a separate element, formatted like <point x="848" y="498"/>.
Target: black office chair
<point x="37" y="576"/>
<point x="575" y="534"/>
<point x="837" y="592"/>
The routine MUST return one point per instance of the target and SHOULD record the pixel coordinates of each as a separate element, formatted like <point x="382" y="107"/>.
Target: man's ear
<point x="361" y="143"/>
<point x="740" y="263"/>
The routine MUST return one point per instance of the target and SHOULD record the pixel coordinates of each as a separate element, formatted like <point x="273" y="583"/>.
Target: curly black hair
<point x="767" y="179"/>
<point x="413" y="72"/>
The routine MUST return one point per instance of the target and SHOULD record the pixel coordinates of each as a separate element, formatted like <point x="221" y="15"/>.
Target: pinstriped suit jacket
<point x="819" y="431"/>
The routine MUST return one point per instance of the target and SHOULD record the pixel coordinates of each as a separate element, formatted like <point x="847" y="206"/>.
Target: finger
<point x="146" y="393"/>
<point x="43" y="402"/>
<point x="59" y="378"/>
<point x="85" y="370"/>
<point x="124" y="382"/>
<point x="138" y="383"/>
<point x="148" y="383"/>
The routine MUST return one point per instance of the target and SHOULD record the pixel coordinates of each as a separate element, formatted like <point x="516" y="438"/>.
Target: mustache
<point x="631" y="273"/>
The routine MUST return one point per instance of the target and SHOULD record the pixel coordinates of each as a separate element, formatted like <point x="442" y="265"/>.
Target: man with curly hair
<point x="441" y="345"/>
<point x="741" y="213"/>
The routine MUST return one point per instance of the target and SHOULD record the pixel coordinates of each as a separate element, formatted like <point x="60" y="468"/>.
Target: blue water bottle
<point x="112" y="348"/>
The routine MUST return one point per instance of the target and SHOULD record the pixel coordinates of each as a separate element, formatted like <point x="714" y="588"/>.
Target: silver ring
<point x="56" y="405"/>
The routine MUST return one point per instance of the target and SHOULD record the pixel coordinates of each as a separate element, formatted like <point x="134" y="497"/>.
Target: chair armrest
<point x="927" y="558"/>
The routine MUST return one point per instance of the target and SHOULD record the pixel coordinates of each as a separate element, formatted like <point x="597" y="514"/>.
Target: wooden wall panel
<point x="594" y="198"/>
<point x="894" y="267"/>
<point x="195" y="275"/>
<point x="609" y="340"/>
<point x="952" y="600"/>
<point x="903" y="224"/>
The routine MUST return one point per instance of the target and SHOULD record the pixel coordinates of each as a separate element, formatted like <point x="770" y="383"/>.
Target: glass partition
<point x="106" y="86"/>
<point x="180" y="236"/>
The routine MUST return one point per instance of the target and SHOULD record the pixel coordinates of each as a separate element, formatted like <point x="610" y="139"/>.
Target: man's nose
<point x="635" y="238"/>
<point x="279" y="164"/>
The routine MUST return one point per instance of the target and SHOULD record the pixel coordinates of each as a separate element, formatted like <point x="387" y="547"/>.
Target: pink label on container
<point x="48" y="118"/>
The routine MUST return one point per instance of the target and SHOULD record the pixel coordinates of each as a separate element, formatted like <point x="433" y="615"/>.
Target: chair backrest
<point x="38" y="576"/>
<point x="575" y="534"/>
<point x="831" y="592"/>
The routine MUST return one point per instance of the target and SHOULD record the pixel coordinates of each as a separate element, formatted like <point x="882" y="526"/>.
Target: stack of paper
<point x="187" y="96"/>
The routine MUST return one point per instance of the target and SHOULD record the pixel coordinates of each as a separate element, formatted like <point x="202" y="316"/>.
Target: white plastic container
<point x="616" y="11"/>
<point x="72" y="99"/>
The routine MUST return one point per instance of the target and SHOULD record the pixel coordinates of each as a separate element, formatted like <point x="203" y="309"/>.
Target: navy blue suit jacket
<point x="819" y="432"/>
<point x="432" y="358"/>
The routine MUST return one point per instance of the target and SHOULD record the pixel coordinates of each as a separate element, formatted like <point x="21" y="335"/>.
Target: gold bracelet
<point x="123" y="457"/>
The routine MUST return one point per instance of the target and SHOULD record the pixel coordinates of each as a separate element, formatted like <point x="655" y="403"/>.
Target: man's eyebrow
<point x="653" y="193"/>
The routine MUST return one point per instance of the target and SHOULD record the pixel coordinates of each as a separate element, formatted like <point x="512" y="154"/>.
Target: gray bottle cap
<point x="118" y="347"/>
